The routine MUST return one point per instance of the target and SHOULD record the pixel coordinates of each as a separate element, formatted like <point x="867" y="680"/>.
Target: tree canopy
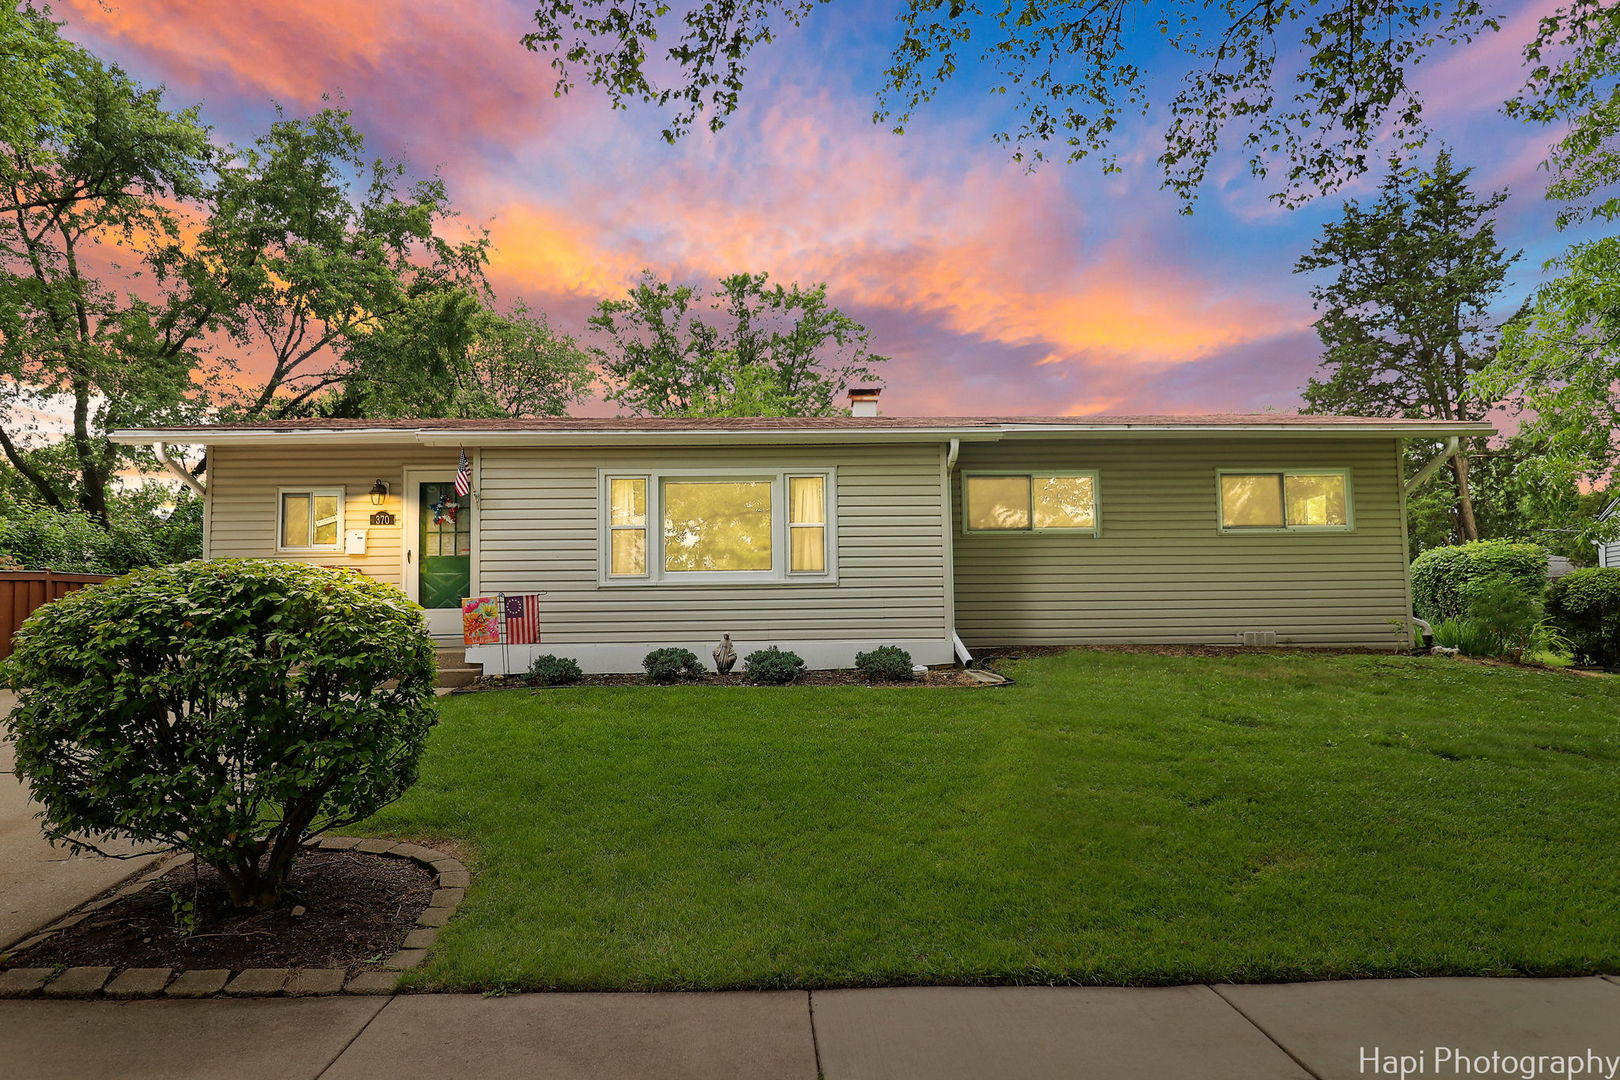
<point x="749" y="348"/>
<point x="1305" y="89"/>
<point x="1405" y="313"/>
<point x="152" y="275"/>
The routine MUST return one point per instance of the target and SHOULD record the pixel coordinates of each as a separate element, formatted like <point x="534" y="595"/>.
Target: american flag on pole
<point x="523" y="619"/>
<point x="463" y="476"/>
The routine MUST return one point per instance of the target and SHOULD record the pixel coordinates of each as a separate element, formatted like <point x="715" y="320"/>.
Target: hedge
<point x="1585" y="606"/>
<point x="1441" y="577"/>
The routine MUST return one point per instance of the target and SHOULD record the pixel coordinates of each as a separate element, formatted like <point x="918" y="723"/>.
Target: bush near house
<point x="1442" y="577"/>
<point x="672" y="665"/>
<point x="772" y="666"/>
<point x="1502" y="620"/>
<point x="1585" y="606"/>
<point x="231" y="709"/>
<point x="548" y="670"/>
<point x="141" y="534"/>
<point x="886" y="663"/>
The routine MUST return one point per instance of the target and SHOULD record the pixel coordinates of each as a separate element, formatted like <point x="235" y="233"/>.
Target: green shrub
<point x="231" y="709"/>
<point x="1468" y="636"/>
<point x="548" y="670"/>
<point x="142" y="533"/>
<point x="1507" y="615"/>
<point x="886" y="663"/>
<point x="772" y="666"/>
<point x="1441" y="576"/>
<point x="672" y="665"/>
<point x="1585" y="607"/>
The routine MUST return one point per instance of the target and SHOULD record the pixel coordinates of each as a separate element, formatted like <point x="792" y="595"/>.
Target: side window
<point x="1030" y="502"/>
<point x="1307" y="499"/>
<point x="310" y="520"/>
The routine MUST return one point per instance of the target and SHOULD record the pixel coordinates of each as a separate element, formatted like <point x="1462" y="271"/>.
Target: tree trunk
<point x="1467" y="527"/>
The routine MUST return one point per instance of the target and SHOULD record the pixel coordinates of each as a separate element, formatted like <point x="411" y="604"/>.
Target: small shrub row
<point x="771" y="666"/>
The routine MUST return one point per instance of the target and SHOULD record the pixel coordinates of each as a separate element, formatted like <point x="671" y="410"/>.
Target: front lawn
<point x="1112" y="818"/>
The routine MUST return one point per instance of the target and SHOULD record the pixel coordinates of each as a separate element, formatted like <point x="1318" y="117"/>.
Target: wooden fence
<point x="22" y="591"/>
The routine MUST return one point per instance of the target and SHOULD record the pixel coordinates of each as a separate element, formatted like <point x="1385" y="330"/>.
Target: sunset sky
<point x="995" y="290"/>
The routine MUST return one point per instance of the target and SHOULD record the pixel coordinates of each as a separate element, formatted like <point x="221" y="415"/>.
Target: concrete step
<point x="454" y="670"/>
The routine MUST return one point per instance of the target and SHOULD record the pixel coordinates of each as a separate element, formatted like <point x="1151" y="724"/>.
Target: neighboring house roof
<point x="585" y="428"/>
<point x="1609" y="511"/>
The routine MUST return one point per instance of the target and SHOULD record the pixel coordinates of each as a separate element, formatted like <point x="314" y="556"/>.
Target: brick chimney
<point x="863" y="400"/>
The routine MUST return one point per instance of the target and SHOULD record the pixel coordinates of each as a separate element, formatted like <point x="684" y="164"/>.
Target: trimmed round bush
<point x="772" y="666"/>
<point x="672" y="665"/>
<point x="886" y="663"/>
<point x="231" y="709"/>
<point x="1442" y="577"/>
<point x="1585" y="607"/>
<point x="548" y="670"/>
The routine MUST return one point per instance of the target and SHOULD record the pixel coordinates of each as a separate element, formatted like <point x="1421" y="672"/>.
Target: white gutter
<point x="1452" y="448"/>
<point x="950" y="457"/>
<point x="756" y="436"/>
<point x="179" y="471"/>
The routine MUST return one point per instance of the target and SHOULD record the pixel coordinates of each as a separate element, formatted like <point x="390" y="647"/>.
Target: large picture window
<point x="716" y="527"/>
<point x="309" y="519"/>
<point x="1030" y="502"/>
<point x="1284" y="500"/>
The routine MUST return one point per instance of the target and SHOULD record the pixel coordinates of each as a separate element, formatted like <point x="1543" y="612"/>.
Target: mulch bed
<point x="942" y="677"/>
<point x="356" y="910"/>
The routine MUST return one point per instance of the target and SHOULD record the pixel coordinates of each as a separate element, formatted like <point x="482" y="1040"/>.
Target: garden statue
<point x="725" y="657"/>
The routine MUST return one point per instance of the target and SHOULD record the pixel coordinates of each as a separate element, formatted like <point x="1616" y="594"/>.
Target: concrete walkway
<point x="39" y="882"/>
<point x="1292" y="1032"/>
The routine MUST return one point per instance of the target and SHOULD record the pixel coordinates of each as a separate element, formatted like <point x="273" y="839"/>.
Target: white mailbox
<point x="355" y="542"/>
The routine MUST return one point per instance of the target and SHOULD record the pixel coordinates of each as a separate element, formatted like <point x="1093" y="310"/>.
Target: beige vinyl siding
<point x="1162" y="572"/>
<point x="539" y="520"/>
<point x="242" y="511"/>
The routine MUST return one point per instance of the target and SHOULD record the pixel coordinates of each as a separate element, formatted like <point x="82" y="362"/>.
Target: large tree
<point x="149" y="275"/>
<point x="307" y="247"/>
<point x="1307" y="89"/>
<point x="1405" y="315"/>
<point x="90" y="164"/>
<point x="1560" y="359"/>
<point x="749" y="348"/>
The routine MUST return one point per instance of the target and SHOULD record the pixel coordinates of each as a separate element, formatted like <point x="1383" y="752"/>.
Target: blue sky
<point x="994" y="289"/>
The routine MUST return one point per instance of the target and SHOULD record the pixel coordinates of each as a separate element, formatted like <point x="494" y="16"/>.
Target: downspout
<point x="1452" y="448"/>
<point x="179" y="471"/>
<point x="958" y="647"/>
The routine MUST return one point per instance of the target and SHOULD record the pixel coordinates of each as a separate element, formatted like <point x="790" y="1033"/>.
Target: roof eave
<point x="756" y="436"/>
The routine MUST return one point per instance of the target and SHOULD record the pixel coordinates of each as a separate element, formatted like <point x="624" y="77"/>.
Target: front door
<point x="444" y="545"/>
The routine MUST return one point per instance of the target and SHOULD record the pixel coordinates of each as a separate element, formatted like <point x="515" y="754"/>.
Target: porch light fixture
<point x="379" y="492"/>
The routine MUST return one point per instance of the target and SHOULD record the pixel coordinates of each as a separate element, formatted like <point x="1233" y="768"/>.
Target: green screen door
<point x="444" y="575"/>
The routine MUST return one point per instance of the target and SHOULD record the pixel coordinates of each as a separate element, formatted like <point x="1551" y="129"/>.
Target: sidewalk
<point x="38" y="882"/>
<point x="1289" y="1032"/>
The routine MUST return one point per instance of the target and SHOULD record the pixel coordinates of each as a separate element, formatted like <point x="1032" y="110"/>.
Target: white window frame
<point x="1095" y="528"/>
<point x="1285" y="472"/>
<point x="781" y="541"/>
<point x="313" y="493"/>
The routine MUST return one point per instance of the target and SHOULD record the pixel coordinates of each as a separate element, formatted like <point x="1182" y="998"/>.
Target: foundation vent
<point x="1259" y="638"/>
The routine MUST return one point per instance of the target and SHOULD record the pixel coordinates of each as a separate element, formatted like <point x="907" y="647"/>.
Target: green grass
<point x="1112" y="818"/>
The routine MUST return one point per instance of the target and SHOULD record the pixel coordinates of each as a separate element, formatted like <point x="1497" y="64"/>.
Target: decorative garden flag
<point x="523" y="619"/>
<point x="463" y="476"/>
<point x="480" y="621"/>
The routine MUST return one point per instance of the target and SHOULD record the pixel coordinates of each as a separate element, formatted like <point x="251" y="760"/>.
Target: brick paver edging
<point x="89" y="982"/>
